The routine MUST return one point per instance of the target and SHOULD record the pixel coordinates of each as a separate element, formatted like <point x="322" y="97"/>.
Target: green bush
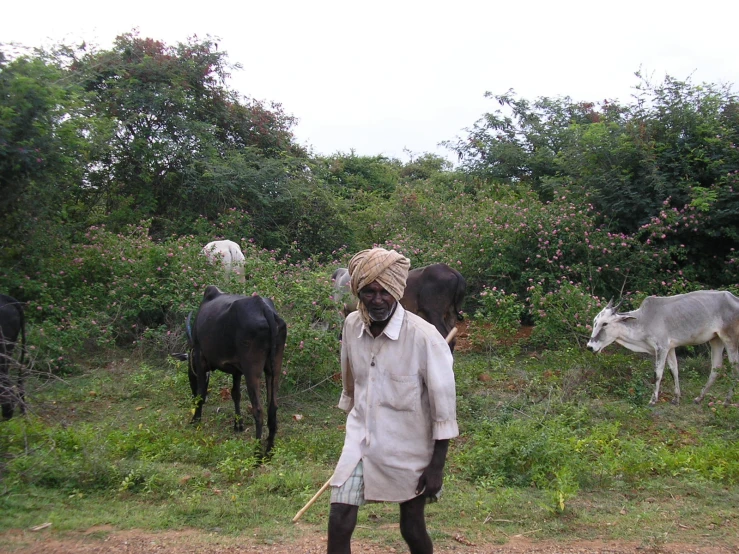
<point x="562" y="316"/>
<point x="497" y="318"/>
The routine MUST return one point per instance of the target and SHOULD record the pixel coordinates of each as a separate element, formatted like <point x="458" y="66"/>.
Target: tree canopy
<point x="548" y="193"/>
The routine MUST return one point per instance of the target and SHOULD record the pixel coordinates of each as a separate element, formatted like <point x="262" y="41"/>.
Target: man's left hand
<point x="432" y="477"/>
<point x="430" y="482"/>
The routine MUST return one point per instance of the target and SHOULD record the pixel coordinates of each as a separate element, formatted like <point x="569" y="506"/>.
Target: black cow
<point x="434" y="292"/>
<point x="240" y="335"/>
<point x="12" y="324"/>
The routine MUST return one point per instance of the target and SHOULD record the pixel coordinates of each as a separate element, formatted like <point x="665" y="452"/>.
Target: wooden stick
<point x="312" y="500"/>
<point x="323" y="488"/>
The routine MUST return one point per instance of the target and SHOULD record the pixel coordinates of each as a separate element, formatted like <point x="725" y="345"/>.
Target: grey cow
<point x="662" y="323"/>
<point x="343" y="291"/>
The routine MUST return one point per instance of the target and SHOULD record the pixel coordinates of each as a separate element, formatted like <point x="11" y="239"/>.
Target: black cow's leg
<point x="202" y="377"/>
<point x="450" y="322"/>
<point x="6" y="395"/>
<point x="252" y="388"/>
<point x="252" y="365"/>
<point x="236" y="396"/>
<point x="271" y="383"/>
<point x="440" y="325"/>
<point x="6" y="388"/>
<point x="193" y="377"/>
<point x="272" y="380"/>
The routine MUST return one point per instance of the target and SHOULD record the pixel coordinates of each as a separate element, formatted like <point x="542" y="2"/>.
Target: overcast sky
<point x="383" y="77"/>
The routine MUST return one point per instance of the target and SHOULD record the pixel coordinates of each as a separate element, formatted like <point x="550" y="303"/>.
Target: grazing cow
<point x="663" y="323"/>
<point x="12" y="324"/>
<point x="227" y="253"/>
<point x="434" y="292"/>
<point x="240" y="335"/>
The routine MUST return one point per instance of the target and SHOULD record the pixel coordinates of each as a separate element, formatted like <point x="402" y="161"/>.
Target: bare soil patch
<point x="465" y="344"/>
<point x="313" y="541"/>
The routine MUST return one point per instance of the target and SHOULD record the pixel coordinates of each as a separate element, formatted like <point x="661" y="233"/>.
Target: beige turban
<point x="387" y="267"/>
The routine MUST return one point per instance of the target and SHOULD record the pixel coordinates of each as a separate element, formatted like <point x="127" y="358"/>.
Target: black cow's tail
<point x="21" y="369"/>
<point x="191" y="344"/>
<point x="459" y="295"/>
<point x="23" y="332"/>
<point x="271" y="317"/>
<point x="188" y="329"/>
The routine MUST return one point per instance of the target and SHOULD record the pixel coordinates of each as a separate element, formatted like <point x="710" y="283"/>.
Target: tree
<point x="520" y="146"/>
<point x="174" y="121"/>
<point x="350" y="173"/>
<point x="673" y="149"/>
<point x="46" y="139"/>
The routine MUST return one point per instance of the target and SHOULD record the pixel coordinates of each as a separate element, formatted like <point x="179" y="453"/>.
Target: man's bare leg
<point x="342" y="520"/>
<point x="413" y="526"/>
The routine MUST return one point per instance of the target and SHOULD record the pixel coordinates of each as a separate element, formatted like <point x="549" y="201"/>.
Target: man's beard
<point x="390" y="313"/>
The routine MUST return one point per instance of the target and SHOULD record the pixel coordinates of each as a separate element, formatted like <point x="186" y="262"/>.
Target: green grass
<point x="554" y="445"/>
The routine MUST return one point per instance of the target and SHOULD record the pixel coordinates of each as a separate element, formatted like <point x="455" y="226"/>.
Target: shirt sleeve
<point x="346" y="402"/>
<point x="441" y="389"/>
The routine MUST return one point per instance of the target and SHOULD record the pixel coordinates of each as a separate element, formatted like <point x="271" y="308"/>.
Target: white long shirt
<point x="399" y="392"/>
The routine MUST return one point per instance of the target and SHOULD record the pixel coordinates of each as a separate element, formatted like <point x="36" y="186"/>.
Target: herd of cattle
<point x="245" y="336"/>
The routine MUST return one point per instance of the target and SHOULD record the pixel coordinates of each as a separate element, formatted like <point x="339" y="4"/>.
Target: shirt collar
<point x="392" y="329"/>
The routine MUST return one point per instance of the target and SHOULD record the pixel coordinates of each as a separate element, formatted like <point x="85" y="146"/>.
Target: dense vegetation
<point x="117" y="165"/>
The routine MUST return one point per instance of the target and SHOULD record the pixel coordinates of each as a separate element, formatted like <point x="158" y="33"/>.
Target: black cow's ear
<point x="181" y="356"/>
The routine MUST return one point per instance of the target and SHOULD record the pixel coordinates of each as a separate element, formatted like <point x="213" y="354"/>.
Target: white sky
<point x="383" y="76"/>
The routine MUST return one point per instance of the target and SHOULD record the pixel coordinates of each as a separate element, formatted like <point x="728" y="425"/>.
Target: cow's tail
<point x="190" y="343"/>
<point x="23" y="332"/>
<point x="21" y="369"/>
<point x="459" y="295"/>
<point x="188" y="329"/>
<point x="271" y="317"/>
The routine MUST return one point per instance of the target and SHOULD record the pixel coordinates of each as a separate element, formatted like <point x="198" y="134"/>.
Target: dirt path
<point x="102" y="541"/>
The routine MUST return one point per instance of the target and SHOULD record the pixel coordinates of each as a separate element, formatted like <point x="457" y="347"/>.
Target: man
<point x="398" y="389"/>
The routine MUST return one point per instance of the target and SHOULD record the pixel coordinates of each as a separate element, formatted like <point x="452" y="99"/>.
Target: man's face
<point x="378" y="301"/>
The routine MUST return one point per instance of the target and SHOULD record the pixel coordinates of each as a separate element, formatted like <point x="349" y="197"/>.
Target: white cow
<point x="663" y="323"/>
<point x="227" y="253"/>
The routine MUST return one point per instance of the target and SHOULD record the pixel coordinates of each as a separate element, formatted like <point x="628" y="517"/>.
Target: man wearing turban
<point x="398" y="390"/>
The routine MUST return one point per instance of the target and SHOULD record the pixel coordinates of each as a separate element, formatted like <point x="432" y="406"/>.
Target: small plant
<point x="497" y="318"/>
<point x="131" y="481"/>
<point x="562" y="488"/>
